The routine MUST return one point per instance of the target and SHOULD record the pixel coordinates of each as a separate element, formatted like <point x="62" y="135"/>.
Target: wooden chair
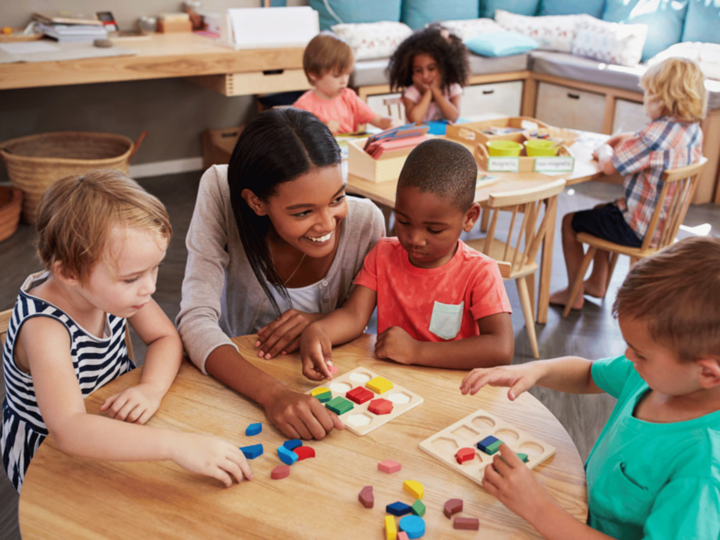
<point x="675" y="196"/>
<point x="395" y="107"/>
<point x="520" y="249"/>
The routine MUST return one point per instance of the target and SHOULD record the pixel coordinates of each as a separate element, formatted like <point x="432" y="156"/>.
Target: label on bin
<point x="503" y="164"/>
<point x="554" y="164"/>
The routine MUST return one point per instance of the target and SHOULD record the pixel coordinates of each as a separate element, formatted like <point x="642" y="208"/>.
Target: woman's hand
<point x="316" y="353"/>
<point x="136" y="404"/>
<point x="301" y="416"/>
<point x="211" y="456"/>
<point x="518" y="378"/>
<point x="396" y="344"/>
<point x="283" y="334"/>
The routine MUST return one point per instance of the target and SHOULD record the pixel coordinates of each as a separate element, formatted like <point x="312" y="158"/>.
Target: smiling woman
<point x="274" y="243"/>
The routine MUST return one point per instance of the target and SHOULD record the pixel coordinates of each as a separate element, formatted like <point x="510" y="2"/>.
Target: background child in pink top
<point x="440" y="303"/>
<point x="327" y="62"/>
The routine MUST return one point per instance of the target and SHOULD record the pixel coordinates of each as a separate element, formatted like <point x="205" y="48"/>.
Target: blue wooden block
<point x="486" y="443"/>
<point x="253" y="429"/>
<point x="413" y="526"/>
<point x="398" y="509"/>
<point x="251" y="452"/>
<point x="292" y="444"/>
<point x="288" y="457"/>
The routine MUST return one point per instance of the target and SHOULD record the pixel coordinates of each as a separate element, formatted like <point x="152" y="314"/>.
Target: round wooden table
<point x="77" y="498"/>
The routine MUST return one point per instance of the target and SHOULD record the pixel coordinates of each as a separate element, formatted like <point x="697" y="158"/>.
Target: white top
<point x="305" y="299"/>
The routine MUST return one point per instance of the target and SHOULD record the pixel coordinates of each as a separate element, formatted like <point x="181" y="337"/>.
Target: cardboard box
<point x="217" y="145"/>
<point x="386" y="167"/>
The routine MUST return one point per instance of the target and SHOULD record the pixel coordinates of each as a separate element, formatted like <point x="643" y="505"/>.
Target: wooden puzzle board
<point x="359" y="420"/>
<point x="466" y="433"/>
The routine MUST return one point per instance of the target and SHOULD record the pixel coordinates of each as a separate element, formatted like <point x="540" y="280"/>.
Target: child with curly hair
<point x="430" y="67"/>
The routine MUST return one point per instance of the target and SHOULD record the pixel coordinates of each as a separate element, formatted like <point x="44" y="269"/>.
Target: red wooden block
<point x="281" y="471"/>
<point x="359" y="395"/>
<point x="453" y="506"/>
<point x="466" y="523"/>
<point x="304" y="452"/>
<point x="465" y="454"/>
<point x="380" y="406"/>
<point x="366" y="497"/>
<point x="389" y="466"/>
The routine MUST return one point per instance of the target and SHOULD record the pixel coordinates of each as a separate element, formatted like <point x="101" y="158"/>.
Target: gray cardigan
<point x="221" y="297"/>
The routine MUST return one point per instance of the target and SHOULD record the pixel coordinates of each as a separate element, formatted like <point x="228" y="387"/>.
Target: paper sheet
<point x="29" y="47"/>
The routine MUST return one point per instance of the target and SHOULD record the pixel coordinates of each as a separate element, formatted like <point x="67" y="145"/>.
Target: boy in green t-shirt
<point x="655" y="470"/>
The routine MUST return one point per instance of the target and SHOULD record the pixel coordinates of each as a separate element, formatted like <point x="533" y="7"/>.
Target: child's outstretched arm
<point x="385" y="122"/>
<point x="80" y="434"/>
<point x="162" y="361"/>
<point x="340" y="326"/>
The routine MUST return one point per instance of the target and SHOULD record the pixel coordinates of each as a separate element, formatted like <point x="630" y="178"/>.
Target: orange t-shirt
<point x="347" y="109"/>
<point x="435" y="304"/>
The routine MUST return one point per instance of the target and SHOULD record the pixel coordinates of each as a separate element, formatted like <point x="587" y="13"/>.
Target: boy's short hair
<point x="327" y="53"/>
<point x="677" y="292"/>
<point x="444" y="168"/>
<point x="678" y="86"/>
<point x="77" y="213"/>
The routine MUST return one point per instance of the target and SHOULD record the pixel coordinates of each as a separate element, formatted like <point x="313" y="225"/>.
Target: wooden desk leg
<point x="546" y="266"/>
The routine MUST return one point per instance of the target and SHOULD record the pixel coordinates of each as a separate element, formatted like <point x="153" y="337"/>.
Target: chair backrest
<point x="4" y="323"/>
<point x="522" y="247"/>
<point x="395" y="107"/>
<point x="675" y="197"/>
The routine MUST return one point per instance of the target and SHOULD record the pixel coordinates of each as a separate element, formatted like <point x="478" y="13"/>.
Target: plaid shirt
<point x="642" y="159"/>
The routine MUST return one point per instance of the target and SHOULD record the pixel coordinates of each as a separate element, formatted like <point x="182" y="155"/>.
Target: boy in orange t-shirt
<point x="440" y="303"/>
<point x="327" y="62"/>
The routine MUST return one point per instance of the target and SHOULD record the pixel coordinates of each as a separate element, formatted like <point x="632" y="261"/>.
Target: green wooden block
<point x="524" y="457"/>
<point x="339" y="405"/>
<point x="324" y="397"/>
<point x="494" y="447"/>
<point x="418" y="508"/>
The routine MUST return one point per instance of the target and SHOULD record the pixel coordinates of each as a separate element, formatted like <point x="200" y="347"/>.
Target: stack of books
<point x="395" y="139"/>
<point x="70" y="29"/>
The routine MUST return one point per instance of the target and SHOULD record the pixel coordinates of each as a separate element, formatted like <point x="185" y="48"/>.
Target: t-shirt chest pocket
<point x="617" y="497"/>
<point x="446" y="319"/>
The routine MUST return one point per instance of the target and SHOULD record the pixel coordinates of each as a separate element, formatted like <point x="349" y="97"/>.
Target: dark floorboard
<point x="592" y="333"/>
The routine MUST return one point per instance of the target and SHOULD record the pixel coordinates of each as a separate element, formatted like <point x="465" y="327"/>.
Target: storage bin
<point x="10" y="208"/>
<point x="570" y="108"/>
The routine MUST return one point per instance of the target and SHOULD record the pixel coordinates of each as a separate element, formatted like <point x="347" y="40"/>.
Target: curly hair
<point x="447" y="49"/>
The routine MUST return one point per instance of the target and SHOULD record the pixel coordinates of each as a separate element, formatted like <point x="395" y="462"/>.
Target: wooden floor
<point x="591" y="334"/>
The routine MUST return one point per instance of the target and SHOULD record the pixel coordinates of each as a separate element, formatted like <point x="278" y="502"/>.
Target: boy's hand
<point x="333" y="126"/>
<point x="316" y="353"/>
<point x="136" y="404"/>
<point x="514" y="485"/>
<point x="283" y="334"/>
<point x="301" y="416"/>
<point x="212" y="457"/>
<point x="519" y="378"/>
<point x="396" y="344"/>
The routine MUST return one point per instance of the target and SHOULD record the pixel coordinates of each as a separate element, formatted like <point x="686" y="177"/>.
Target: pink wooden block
<point x="281" y="471"/>
<point x="333" y="370"/>
<point x="402" y="535"/>
<point x="389" y="466"/>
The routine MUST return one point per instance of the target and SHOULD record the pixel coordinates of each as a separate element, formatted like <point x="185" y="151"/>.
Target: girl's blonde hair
<point x="677" y="85"/>
<point x="77" y="213"/>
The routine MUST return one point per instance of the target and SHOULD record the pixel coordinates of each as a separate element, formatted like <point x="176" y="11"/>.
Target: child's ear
<point x="313" y="76"/>
<point x="254" y="202"/>
<point x="709" y="374"/>
<point x="64" y="274"/>
<point x="471" y="216"/>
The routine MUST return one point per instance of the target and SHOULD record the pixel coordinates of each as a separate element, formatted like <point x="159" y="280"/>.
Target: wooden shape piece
<point x="398" y="509"/>
<point x="390" y="528"/>
<point x="380" y="406"/>
<point x="304" y="452"/>
<point x="418" y="508"/>
<point x="333" y="370"/>
<point x="359" y="395"/>
<point x="414" y="526"/>
<point x="251" y="452"/>
<point x="279" y="472"/>
<point x="414" y="488"/>
<point x="288" y="457"/>
<point x="486" y="443"/>
<point x="453" y="506"/>
<point x="465" y="454"/>
<point x="523" y="457"/>
<point x="339" y="405"/>
<point x="466" y="523"/>
<point x="402" y="535"/>
<point x="389" y="466"/>
<point x="253" y="429"/>
<point x="366" y="497"/>
<point x="292" y="444"/>
<point x="322" y="394"/>
<point x="379" y="385"/>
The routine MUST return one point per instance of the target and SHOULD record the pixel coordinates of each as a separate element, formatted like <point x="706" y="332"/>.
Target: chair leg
<point x="611" y="268"/>
<point x="528" y="312"/>
<point x="484" y="219"/>
<point x="579" y="279"/>
<point x="530" y="282"/>
<point x="633" y="260"/>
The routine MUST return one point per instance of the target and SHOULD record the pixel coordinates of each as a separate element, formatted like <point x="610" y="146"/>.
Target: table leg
<point x="546" y="264"/>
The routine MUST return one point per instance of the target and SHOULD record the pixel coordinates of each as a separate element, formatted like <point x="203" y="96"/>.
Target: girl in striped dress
<point x="101" y="238"/>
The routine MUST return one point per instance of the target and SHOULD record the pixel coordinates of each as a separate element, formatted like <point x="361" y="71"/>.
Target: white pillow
<point x="373" y="40"/>
<point x="707" y="55"/>
<point x="552" y="32"/>
<point x="469" y="28"/>
<point x="613" y="43"/>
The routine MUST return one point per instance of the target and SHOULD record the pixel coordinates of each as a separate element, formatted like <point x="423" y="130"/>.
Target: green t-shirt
<point x="648" y="480"/>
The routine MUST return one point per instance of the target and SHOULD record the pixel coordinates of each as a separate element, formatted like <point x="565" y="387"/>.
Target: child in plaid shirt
<point x="675" y="101"/>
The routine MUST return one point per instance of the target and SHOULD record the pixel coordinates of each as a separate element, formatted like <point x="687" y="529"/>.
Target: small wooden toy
<point x="380" y="406"/>
<point x="253" y="429"/>
<point x="452" y="506"/>
<point x="483" y="429"/>
<point x="414" y="488"/>
<point x="322" y="394"/>
<point x="358" y="419"/>
<point x="292" y="444"/>
<point x="279" y="472"/>
<point x="466" y="523"/>
<point x="414" y="526"/>
<point x="402" y="535"/>
<point x="379" y="385"/>
<point x="333" y="370"/>
<point x="359" y="395"/>
<point x="465" y="454"/>
<point x="304" y="452"/>
<point x="398" y="509"/>
<point x="418" y="508"/>
<point x="389" y="466"/>
<point x="288" y="457"/>
<point x="339" y="405"/>
<point x="366" y="497"/>
<point x="251" y="452"/>
<point x="390" y="528"/>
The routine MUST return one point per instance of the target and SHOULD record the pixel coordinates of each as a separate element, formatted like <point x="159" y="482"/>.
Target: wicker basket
<point x="35" y="162"/>
<point x="10" y="207"/>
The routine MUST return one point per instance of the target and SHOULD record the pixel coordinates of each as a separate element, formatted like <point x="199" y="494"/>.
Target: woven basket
<point x="10" y="207"/>
<point x="35" y="162"/>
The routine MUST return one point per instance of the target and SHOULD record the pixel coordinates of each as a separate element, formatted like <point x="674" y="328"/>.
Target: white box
<point x="269" y="28"/>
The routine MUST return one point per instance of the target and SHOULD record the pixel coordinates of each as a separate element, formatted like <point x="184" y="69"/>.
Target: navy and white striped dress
<point x="96" y="362"/>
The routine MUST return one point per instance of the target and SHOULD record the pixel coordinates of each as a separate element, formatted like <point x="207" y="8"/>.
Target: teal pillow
<point x="572" y="7"/>
<point x="501" y="44"/>
<point x="348" y="11"/>
<point x="521" y="7"/>
<point x="418" y="13"/>
<point x="702" y="22"/>
<point x="664" y="21"/>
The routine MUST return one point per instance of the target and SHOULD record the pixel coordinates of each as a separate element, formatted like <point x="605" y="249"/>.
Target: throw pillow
<point x="707" y="55"/>
<point x="523" y="7"/>
<point x="572" y="7"/>
<point x="610" y="42"/>
<point x="346" y="11"/>
<point x="373" y="40"/>
<point x="501" y="44"/>
<point x="472" y="27"/>
<point x="418" y="13"/>
<point x="553" y="33"/>
<point x="700" y="21"/>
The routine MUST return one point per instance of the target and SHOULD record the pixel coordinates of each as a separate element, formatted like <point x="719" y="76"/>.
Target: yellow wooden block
<point x="379" y="385"/>
<point x="319" y="390"/>
<point x="414" y="488"/>
<point x="390" y="528"/>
